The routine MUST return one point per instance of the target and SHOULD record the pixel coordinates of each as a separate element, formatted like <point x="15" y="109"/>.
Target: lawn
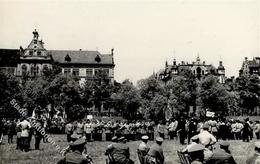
<point x="49" y="155"/>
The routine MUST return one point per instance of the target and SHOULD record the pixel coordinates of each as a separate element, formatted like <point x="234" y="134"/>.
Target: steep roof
<point x="80" y="57"/>
<point x="9" y="57"/>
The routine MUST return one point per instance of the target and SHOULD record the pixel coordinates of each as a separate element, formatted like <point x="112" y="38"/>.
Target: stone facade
<point x="198" y="68"/>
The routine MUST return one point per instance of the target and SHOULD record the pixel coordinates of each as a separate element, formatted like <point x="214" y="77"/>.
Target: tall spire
<point x="35" y="35"/>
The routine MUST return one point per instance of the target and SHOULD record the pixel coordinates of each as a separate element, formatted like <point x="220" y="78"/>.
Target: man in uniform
<point x="80" y="127"/>
<point x="25" y="127"/>
<point x="196" y="154"/>
<point x="255" y="159"/>
<point x="88" y="129"/>
<point x="120" y="152"/>
<point x="143" y="147"/>
<point x="155" y="154"/>
<point x="194" y="141"/>
<point x="69" y="131"/>
<point x="206" y="138"/>
<point x="75" y="156"/>
<point x="223" y="155"/>
<point x="257" y="129"/>
<point x="37" y="134"/>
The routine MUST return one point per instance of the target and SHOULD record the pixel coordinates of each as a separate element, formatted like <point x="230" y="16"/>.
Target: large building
<point x="35" y="58"/>
<point x="198" y="68"/>
<point x="250" y="67"/>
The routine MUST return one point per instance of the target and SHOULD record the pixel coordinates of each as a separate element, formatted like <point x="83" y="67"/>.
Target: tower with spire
<point x="221" y="72"/>
<point x="35" y="58"/>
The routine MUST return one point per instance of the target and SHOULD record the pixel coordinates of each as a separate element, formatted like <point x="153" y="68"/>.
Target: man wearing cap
<point x="223" y="155"/>
<point x="196" y="154"/>
<point x="155" y="154"/>
<point x="143" y="147"/>
<point x="194" y="141"/>
<point x="75" y="156"/>
<point x="120" y="152"/>
<point x="255" y="158"/>
<point x="206" y="138"/>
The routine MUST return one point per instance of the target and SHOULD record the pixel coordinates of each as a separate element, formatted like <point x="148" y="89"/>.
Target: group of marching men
<point x="184" y="129"/>
<point x="200" y="151"/>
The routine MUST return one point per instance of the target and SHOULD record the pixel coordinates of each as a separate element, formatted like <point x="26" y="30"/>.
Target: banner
<point x="210" y="114"/>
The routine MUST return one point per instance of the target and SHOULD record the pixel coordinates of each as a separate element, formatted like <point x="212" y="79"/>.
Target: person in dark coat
<point x="222" y="156"/>
<point x="246" y="131"/>
<point x="182" y="130"/>
<point x="155" y="153"/>
<point x="196" y="154"/>
<point x="120" y="152"/>
<point x="75" y="156"/>
<point x="10" y="129"/>
<point x="37" y="134"/>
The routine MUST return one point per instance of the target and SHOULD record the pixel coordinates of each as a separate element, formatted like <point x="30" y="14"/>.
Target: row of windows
<point x="35" y="70"/>
<point x="89" y="71"/>
<point x="39" y="53"/>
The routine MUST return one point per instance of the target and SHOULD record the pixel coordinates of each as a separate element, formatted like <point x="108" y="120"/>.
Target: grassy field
<point x="49" y="155"/>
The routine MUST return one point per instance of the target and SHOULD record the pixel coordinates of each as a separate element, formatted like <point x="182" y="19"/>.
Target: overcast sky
<point x="143" y="33"/>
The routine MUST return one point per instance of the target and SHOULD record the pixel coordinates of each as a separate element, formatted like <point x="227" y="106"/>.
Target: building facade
<point x="32" y="60"/>
<point x="198" y="68"/>
<point x="250" y="67"/>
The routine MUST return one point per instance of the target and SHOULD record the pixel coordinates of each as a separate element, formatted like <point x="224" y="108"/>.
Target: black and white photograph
<point x="129" y="81"/>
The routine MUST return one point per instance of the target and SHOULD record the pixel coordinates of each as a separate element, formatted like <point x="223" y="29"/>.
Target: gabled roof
<point x="9" y="57"/>
<point x="80" y="57"/>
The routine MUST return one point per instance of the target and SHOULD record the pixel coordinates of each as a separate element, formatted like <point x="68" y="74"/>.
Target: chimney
<point x="112" y="51"/>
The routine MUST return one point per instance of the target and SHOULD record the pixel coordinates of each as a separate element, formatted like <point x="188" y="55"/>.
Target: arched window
<point x="37" y="70"/>
<point x="33" y="70"/>
<point x="24" y="69"/>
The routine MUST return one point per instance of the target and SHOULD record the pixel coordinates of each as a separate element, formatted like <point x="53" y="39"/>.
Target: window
<point x="106" y="72"/>
<point x="75" y="71"/>
<point x="97" y="72"/>
<point x="45" y="67"/>
<point x="34" y="41"/>
<point x="33" y="70"/>
<point x="89" y="72"/>
<point x="24" y="69"/>
<point x="37" y="70"/>
<point x="67" y="71"/>
<point x="39" y="53"/>
<point x="30" y="53"/>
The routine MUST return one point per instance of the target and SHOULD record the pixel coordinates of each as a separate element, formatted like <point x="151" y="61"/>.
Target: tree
<point x="127" y="100"/>
<point x="214" y="96"/>
<point x="63" y="94"/>
<point x="9" y="90"/>
<point x="249" y="92"/>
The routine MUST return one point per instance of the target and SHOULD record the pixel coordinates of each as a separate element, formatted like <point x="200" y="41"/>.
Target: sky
<point x="143" y="33"/>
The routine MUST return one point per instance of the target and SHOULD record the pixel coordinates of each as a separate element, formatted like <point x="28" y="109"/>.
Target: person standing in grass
<point x="69" y="130"/>
<point x="37" y="134"/>
<point x="255" y="158"/>
<point x="25" y="127"/>
<point x="257" y="129"/>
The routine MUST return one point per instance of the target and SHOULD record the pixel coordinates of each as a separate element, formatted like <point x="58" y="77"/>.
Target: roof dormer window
<point x="67" y="58"/>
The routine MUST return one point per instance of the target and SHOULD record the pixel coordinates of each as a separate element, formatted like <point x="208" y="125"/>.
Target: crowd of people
<point x="200" y="134"/>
